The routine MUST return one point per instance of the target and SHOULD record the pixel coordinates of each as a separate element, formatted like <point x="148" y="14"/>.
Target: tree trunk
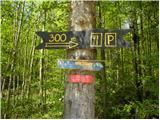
<point x="79" y="98"/>
<point x="41" y="71"/>
<point x="30" y="68"/>
<point x="136" y="58"/>
<point x="7" y="114"/>
<point x="103" y="72"/>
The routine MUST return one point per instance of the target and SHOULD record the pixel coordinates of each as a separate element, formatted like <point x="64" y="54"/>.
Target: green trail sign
<point x="98" y="38"/>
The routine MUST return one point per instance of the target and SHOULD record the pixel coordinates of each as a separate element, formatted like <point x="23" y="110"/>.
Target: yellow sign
<point x="96" y="40"/>
<point x="84" y="63"/>
<point x="57" y="38"/>
<point x="103" y="39"/>
<point x="71" y="44"/>
<point x="110" y="39"/>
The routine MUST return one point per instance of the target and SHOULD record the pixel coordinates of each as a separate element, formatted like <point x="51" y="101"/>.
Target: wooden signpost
<point x="84" y="41"/>
<point x="81" y="43"/>
<point x="97" y="38"/>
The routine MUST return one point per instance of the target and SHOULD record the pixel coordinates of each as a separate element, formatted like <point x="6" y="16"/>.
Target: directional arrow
<point x="70" y="44"/>
<point x="73" y="43"/>
<point x="56" y="40"/>
<point x="96" y="38"/>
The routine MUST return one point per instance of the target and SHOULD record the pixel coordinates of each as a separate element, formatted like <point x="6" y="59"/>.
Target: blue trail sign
<point x="97" y="38"/>
<point x="80" y="64"/>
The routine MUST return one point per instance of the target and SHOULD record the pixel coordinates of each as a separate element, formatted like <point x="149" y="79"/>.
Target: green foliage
<point x="24" y="95"/>
<point x="121" y="93"/>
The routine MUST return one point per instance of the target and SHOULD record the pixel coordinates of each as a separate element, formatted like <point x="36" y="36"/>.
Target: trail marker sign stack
<point x="79" y="98"/>
<point x="98" y="38"/>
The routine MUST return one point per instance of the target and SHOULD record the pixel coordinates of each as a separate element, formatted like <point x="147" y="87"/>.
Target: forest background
<point x="33" y="87"/>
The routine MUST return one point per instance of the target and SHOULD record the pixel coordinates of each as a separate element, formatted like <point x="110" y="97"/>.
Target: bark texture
<point x="79" y="97"/>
